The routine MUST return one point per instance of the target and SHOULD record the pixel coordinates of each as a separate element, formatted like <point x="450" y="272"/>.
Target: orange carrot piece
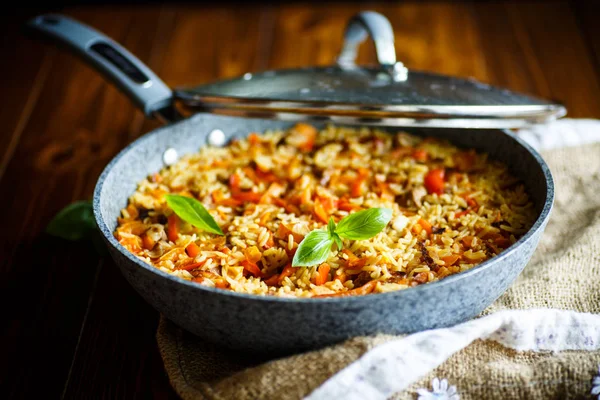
<point x="420" y="155"/>
<point x="322" y="274"/>
<point x="254" y="139"/>
<point x="156" y="178"/>
<point x="384" y="190"/>
<point x="238" y="194"/>
<point x="192" y="266"/>
<point x="461" y="213"/>
<point x="309" y="133"/>
<point x="147" y="242"/>
<point x="249" y="197"/>
<point x="434" y="181"/>
<point x="132" y="210"/>
<point x="131" y="243"/>
<point x="351" y="255"/>
<point x="251" y="174"/>
<point x="426" y="226"/>
<point x="451" y="259"/>
<point x="270" y="242"/>
<point x="290" y="208"/>
<point x="470" y="201"/>
<point x="252" y="268"/>
<point x="319" y="211"/>
<point x="272" y="281"/>
<point x="341" y="277"/>
<point x="265" y="176"/>
<point x="234" y="182"/>
<point x="218" y="198"/>
<point x="265" y="218"/>
<point x="502" y="242"/>
<point x="225" y="250"/>
<point x="221" y="283"/>
<point x="329" y="204"/>
<point x="417" y="228"/>
<point x="288" y="270"/>
<point x="216" y="195"/>
<point x="252" y="254"/>
<point x="192" y="250"/>
<point x="173" y="227"/>
<point x="356" y="188"/>
<point x="291" y="253"/>
<point x="468" y="240"/>
<point x="305" y="196"/>
<point x="345" y="205"/>
<point x="274" y="191"/>
<point x="220" y="164"/>
<point x="353" y="260"/>
<point x="284" y="231"/>
<point x="222" y="214"/>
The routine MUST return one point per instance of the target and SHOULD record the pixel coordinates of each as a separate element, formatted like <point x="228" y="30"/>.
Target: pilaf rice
<point x="452" y="209"/>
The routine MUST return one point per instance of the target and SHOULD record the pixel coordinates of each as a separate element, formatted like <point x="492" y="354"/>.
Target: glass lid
<point x="387" y="94"/>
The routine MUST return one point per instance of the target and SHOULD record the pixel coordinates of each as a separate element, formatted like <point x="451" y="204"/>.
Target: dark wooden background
<point x="74" y="327"/>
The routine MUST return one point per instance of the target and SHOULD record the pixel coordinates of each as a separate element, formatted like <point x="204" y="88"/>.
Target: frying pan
<point x="284" y="325"/>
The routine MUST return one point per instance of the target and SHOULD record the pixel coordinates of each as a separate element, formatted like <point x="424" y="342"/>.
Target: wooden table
<point x="75" y="327"/>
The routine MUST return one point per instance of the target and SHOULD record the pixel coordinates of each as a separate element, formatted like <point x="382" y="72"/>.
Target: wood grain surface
<point x="75" y="329"/>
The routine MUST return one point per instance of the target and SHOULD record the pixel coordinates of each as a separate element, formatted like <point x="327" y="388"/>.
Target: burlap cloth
<point x="564" y="273"/>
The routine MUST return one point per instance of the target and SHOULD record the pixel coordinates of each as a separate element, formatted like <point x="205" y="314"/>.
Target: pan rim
<point x="539" y="224"/>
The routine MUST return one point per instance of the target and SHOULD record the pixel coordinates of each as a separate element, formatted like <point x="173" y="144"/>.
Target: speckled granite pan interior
<point x="279" y="325"/>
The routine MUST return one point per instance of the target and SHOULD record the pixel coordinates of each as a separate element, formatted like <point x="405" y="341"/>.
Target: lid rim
<point x="400" y="122"/>
<point x="428" y="96"/>
<point x="324" y="107"/>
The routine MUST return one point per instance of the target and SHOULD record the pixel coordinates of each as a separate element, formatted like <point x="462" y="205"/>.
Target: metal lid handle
<point x="379" y="28"/>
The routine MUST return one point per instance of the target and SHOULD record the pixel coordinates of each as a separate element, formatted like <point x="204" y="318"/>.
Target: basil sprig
<point x="76" y="223"/>
<point x="331" y="229"/>
<point x="192" y="211"/>
<point x="315" y="247"/>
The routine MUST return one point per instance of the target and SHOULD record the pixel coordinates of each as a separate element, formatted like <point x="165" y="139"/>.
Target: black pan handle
<point x="144" y="88"/>
<point x="379" y="28"/>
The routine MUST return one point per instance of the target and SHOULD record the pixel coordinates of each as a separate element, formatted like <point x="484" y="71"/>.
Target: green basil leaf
<point x="192" y="211"/>
<point x="338" y="241"/>
<point x="74" y="222"/>
<point x="331" y="226"/>
<point x="314" y="249"/>
<point x="364" y="224"/>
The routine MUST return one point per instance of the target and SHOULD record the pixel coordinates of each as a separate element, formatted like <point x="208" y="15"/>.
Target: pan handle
<point x="379" y="28"/>
<point x="137" y="81"/>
